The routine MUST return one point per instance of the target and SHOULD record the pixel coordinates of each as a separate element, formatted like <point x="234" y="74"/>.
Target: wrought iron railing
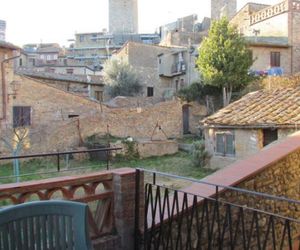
<point x="226" y="218"/>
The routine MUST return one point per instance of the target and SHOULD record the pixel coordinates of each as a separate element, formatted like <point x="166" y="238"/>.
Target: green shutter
<point x="220" y="147"/>
<point x="229" y="144"/>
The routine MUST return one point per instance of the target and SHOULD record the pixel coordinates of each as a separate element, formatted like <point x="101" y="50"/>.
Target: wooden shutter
<point x="21" y="116"/>
<point x="275" y="59"/>
<point x="26" y="111"/>
<point x="220" y="145"/>
<point x="229" y="144"/>
<point x="16" y="117"/>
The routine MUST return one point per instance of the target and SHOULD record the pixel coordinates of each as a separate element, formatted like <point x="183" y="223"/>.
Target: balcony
<point x="175" y="69"/>
<point x="142" y="209"/>
<point x="178" y="68"/>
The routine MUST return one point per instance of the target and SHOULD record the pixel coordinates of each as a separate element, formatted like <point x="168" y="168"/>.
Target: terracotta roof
<point x="7" y="45"/>
<point x="264" y="108"/>
<point x="85" y="79"/>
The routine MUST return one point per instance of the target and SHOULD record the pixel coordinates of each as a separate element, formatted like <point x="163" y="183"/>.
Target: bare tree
<point x="15" y="139"/>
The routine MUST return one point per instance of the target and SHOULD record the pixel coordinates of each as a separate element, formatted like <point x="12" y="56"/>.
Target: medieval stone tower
<point x="123" y="16"/>
<point x="221" y="8"/>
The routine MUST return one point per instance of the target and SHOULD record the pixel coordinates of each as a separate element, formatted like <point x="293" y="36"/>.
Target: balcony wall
<point x="109" y="194"/>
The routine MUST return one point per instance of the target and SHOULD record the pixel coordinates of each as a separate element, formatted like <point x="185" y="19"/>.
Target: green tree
<point x="197" y="92"/>
<point x="121" y="79"/>
<point x="224" y="59"/>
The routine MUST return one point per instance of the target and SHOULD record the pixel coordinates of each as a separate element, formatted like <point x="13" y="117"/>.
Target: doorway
<point x="185" y="119"/>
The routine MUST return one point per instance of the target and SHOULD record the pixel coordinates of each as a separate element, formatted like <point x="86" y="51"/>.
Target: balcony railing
<point x="59" y="162"/>
<point x="94" y="189"/>
<point x="178" y="68"/>
<point x="215" y="217"/>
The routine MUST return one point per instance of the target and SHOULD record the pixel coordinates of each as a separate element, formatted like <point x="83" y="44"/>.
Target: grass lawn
<point x="178" y="164"/>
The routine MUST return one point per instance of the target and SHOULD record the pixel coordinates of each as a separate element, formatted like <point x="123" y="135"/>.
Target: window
<point x="73" y="116"/>
<point x="269" y="135"/>
<point x="225" y="144"/>
<point x="81" y="38"/>
<point x="275" y="59"/>
<point x="69" y="71"/>
<point x="150" y="91"/>
<point x="21" y="116"/>
<point x="20" y="62"/>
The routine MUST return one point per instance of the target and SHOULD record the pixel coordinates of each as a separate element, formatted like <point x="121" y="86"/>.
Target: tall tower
<point x="123" y="16"/>
<point x="221" y="8"/>
<point x="2" y="30"/>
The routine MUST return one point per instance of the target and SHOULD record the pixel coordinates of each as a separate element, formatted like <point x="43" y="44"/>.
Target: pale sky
<point x="34" y="21"/>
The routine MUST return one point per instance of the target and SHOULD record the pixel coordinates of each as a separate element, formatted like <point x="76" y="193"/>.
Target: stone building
<point x="162" y="70"/>
<point x="47" y="54"/>
<point x="6" y="77"/>
<point x="185" y="31"/>
<point x="251" y="123"/>
<point x="123" y="16"/>
<point x="2" y="30"/>
<point x="94" y="48"/>
<point x="179" y="68"/>
<point x="273" y="35"/>
<point x="221" y="8"/>
<point x="61" y="120"/>
<point x="84" y="85"/>
<point x="56" y="118"/>
<point x="42" y="54"/>
<point x="145" y="59"/>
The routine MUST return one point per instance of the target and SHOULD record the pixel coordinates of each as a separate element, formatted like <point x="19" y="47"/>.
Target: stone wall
<point x="62" y="120"/>
<point x="123" y="16"/>
<point x="79" y="88"/>
<point x="5" y="53"/>
<point x="294" y="29"/>
<point x="144" y="59"/>
<point x="274" y="171"/>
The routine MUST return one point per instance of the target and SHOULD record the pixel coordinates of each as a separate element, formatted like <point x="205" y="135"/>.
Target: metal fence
<point x="232" y="218"/>
<point x="60" y="161"/>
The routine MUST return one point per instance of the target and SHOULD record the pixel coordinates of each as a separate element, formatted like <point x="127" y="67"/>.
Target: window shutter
<point x="26" y="116"/>
<point x="220" y="147"/>
<point x="16" y="117"/>
<point x="21" y="116"/>
<point x="229" y="144"/>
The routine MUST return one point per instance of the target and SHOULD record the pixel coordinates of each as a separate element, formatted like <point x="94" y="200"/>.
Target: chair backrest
<point x="44" y="225"/>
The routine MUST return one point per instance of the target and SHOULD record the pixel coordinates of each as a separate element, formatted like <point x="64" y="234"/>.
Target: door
<point x="185" y="119"/>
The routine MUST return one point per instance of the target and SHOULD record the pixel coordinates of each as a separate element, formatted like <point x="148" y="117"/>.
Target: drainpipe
<point x="4" y="99"/>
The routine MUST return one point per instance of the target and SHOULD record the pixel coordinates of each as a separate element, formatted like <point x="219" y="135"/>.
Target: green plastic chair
<point x="45" y="225"/>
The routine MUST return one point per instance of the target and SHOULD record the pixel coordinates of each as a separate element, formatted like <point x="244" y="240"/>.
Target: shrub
<point x="200" y="156"/>
<point x="131" y="149"/>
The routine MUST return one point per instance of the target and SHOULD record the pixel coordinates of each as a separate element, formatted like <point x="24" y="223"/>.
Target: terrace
<point x="252" y="204"/>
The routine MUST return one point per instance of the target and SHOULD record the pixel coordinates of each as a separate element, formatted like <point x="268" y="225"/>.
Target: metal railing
<point x="226" y="218"/>
<point x="57" y="155"/>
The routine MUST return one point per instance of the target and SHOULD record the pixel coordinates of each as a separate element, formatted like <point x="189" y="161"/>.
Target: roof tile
<point x="279" y="107"/>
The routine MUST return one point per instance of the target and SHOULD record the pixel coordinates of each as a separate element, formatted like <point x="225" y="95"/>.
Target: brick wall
<point x="144" y="59"/>
<point x="275" y="171"/>
<point x="5" y="53"/>
<point x="52" y="128"/>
